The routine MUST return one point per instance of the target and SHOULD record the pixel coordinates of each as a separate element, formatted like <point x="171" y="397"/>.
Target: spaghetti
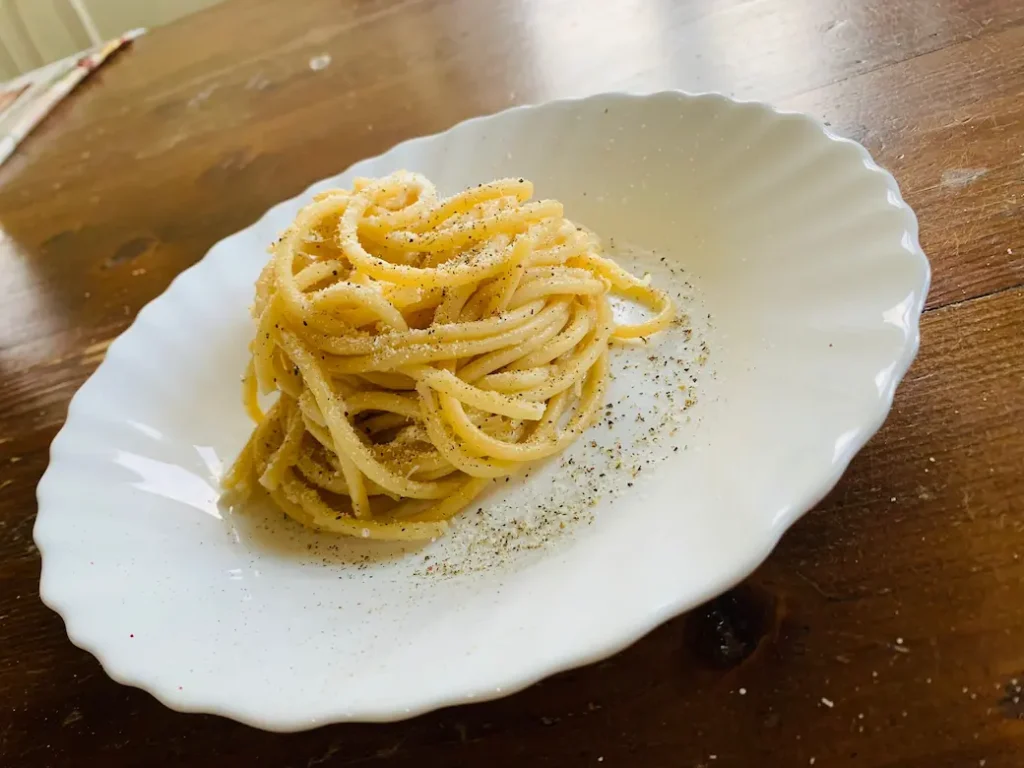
<point x="422" y="347"/>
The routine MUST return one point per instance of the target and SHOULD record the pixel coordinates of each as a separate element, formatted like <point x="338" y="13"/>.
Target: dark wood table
<point x="888" y="627"/>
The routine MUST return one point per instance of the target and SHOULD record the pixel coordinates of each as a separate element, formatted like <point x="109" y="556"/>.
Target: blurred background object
<point x="36" y="32"/>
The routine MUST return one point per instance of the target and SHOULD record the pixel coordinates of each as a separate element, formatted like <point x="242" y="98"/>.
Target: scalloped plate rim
<point x="620" y="636"/>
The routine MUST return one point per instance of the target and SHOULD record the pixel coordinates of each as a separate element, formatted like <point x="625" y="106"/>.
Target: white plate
<point x="796" y="244"/>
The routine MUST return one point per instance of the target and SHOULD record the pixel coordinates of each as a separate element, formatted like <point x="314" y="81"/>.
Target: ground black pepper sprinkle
<point x="569" y="491"/>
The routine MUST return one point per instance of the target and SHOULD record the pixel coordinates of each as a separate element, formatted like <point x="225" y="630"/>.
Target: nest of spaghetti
<point x="415" y="349"/>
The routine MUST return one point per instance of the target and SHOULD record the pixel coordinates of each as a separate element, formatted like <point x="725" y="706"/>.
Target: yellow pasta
<point x="419" y="348"/>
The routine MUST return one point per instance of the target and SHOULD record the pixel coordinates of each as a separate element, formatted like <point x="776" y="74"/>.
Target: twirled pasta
<point x="420" y="348"/>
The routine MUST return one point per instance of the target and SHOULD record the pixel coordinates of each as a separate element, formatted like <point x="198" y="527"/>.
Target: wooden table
<point x="888" y="627"/>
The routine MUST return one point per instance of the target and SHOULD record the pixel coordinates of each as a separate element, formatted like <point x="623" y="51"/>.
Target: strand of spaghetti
<point x="314" y="422"/>
<point x="286" y="378"/>
<point x="448" y="447"/>
<point x="287" y="451"/>
<point x="261" y="451"/>
<point x="384" y="422"/>
<point x="490" y="362"/>
<point x="662" y="305"/>
<point x="383" y="401"/>
<point x="363" y="344"/>
<point x="317" y="272"/>
<point x="268" y="435"/>
<point x="436" y="474"/>
<point x="264" y="289"/>
<point x="573" y="369"/>
<point x="409" y="435"/>
<point x="335" y="192"/>
<point x="539" y="447"/>
<point x="628" y="285"/>
<point x="236" y="480"/>
<point x="495" y="425"/>
<point x="485" y="400"/>
<point x="547" y="427"/>
<point x="249" y="393"/>
<point x="344" y="321"/>
<point x="429" y="298"/>
<point x="473" y="311"/>
<point x="309" y="409"/>
<point x="507" y="284"/>
<point x="388" y="380"/>
<point x="559" y="271"/>
<point x="579" y="326"/>
<point x="418" y="354"/>
<point x="359" y="278"/>
<point x="427" y="217"/>
<point x="508" y="221"/>
<point x="412" y="186"/>
<point x="304" y="504"/>
<point x="319" y="433"/>
<point x="314" y="310"/>
<point x="290" y="242"/>
<point x="560" y="285"/>
<point x="363" y="487"/>
<point x="558" y="255"/>
<point x="262" y="348"/>
<point x="494" y="295"/>
<point x="446" y="274"/>
<point x="243" y="471"/>
<point x="403" y="296"/>
<point x="513" y="381"/>
<point x="347" y="444"/>
<point x="509" y="431"/>
<point x="356" y="484"/>
<point x="479" y="443"/>
<point x="448" y="508"/>
<point x="330" y="478"/>
<point x="337" y="295"/>
<point x="451" y="305"/>
<point x="482" y="264"/>
<point x="431" y="463"/>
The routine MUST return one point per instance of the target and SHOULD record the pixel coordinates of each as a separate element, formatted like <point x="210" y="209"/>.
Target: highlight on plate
<point x="419" y="348"/>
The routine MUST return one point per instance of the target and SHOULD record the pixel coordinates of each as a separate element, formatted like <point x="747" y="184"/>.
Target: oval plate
<point x="799" y="266"/>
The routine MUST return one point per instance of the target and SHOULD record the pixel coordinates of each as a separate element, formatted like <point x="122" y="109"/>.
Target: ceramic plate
<point x="798" y="266"/>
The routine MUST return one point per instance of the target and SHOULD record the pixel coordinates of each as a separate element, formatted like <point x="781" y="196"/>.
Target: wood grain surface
<point x="887" y="629"/>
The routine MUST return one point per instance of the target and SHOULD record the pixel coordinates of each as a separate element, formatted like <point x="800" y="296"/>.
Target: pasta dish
<point x="419" y="348"/>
